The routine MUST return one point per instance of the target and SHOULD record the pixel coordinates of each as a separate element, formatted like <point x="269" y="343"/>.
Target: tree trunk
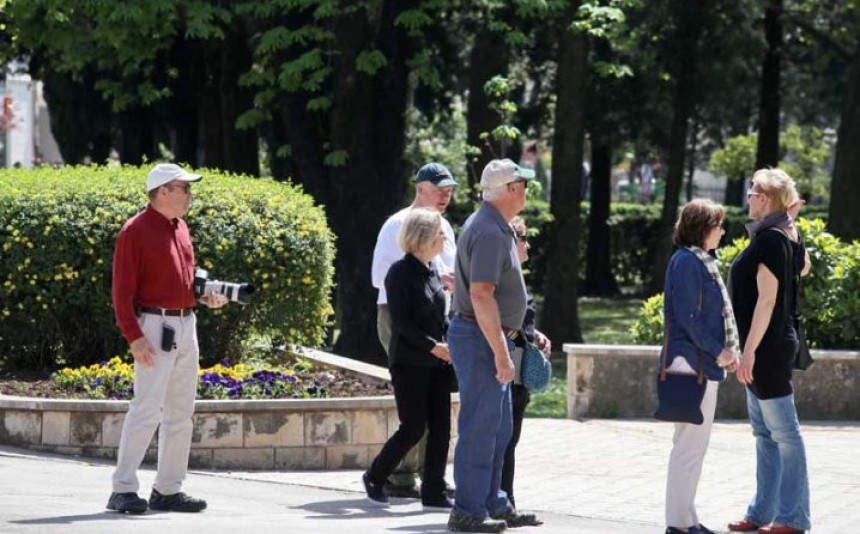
<point x="682" y="107"/>
<point x="599" y="280"/>
<point x="137" y="138"/>
<point x="844" y="220"/>
<point x="240" y="147"/>
<point x="490" y="57"/>
<point x="735" y="191"/>
<point x="369" y="122"/>
<point x="560" y="314"/>
<point x="767" y="151"/>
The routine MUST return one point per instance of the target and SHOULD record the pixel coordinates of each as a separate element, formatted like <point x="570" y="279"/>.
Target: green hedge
<point x="830" y="298"/>
<point x="57" y="232"/>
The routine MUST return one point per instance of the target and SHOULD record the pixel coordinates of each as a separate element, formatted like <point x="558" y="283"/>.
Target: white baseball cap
<point x="499" y="172"/>
<point x="164" y="173"/>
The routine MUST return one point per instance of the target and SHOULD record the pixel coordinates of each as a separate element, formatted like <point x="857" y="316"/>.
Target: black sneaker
<point x="178" y="502"/>
<point x="128" y="503"/>
<point x="440" y="503"/>
<point x="375" y="493"/>
<point x="515" y="519"/>
<point x="402" y="492"/>
<point x="458" y="522"/>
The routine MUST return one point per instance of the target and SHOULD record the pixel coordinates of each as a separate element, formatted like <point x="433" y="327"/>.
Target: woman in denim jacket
<point x="701" y="332"/>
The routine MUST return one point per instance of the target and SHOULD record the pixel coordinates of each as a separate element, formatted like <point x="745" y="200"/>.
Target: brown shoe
<point x="743" y="526"/>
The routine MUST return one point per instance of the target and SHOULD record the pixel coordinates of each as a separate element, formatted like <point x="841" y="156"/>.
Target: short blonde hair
<point x="419" y="229"/>
<point x="777" y="186"/>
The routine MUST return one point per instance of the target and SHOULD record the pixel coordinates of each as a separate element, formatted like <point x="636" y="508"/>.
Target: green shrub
<point x="57" y="233"/>
<point x="830" y="299"/>
<point x="648" y="327"/>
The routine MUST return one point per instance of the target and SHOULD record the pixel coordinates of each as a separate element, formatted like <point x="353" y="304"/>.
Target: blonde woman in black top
<point x="420" y="365"/>
<point x="762" y="292"/>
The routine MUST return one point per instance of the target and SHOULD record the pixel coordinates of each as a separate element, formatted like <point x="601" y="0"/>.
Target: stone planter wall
<point x="620" y="381"/>
<point x="267" y="434"/>
<point x="294" y="434"/>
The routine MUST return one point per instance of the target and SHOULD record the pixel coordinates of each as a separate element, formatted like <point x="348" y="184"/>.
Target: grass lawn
<point x="603" y="321"/>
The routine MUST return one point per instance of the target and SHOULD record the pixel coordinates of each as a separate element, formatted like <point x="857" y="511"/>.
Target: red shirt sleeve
<point x="124" y="288"/>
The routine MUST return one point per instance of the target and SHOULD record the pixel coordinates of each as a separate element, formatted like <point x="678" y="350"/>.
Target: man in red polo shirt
<point x="153" y="298"/>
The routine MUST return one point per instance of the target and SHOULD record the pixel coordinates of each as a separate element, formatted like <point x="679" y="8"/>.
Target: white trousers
<point x="689" y="446"/>
<point x="163" y="394"/>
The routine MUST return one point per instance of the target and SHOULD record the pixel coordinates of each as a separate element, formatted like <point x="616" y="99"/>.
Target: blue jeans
<point x="782" y="483"/>
<point x="484" y="426"/>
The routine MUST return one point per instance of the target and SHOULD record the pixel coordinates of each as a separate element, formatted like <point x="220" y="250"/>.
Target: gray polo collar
<point x="494" y="214"/>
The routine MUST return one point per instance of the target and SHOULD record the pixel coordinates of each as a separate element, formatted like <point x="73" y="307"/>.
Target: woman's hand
<point x="745" y="371"/>
<point x="543" y="343"/>
<point x="441" y="352"/>
<point x="726" y="357"/>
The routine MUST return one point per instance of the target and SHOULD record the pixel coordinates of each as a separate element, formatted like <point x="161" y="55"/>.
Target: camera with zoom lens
<point x="203" y="286"/>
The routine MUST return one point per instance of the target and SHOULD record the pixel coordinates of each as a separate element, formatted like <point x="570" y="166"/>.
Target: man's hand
<point x="448" y="281"/>
<point x="214" y="300"/>
<point x="504" y="369"/>
<point x="142" y="351"/>
<point x="543" y="343"/>
<point x="441" y="352"/>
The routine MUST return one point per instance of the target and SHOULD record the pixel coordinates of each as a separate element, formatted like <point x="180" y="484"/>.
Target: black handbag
<point x="802" y="359"/>
<point x="679" y="396"/>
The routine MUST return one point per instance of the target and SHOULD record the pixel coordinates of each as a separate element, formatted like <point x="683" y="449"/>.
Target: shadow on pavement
<point x="354" y="509"/>
<point x="71" y="519"/>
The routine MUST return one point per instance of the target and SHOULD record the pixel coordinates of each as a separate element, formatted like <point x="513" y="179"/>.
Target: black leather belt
<point x="178" y="312"/>
<point x="509" y="332"/>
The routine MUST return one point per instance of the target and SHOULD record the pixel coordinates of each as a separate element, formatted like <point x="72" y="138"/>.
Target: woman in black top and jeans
<point x="762" y="285"/>
<point x="420" y="370"/>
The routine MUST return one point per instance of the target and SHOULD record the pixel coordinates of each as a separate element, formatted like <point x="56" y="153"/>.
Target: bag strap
<point x="664" y="358"/>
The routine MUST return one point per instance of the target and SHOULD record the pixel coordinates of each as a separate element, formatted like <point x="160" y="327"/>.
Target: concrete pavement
<point x="597" y="476"/>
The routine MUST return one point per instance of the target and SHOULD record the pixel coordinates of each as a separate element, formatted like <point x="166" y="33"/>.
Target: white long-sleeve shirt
<point x="387" y="251"/>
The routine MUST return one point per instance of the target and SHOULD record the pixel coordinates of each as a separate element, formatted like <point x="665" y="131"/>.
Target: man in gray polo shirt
<point x="490" y="303"/>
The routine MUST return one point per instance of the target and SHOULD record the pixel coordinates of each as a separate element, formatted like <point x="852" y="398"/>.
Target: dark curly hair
<point x="696" y="218"/>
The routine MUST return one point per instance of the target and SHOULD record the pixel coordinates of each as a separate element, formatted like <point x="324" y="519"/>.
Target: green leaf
<point x="370" y="61"/>
<point x="336" y="158"/>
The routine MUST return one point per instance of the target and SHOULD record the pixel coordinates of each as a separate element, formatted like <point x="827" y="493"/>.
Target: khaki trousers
<point x="689" y="446"/>
<point x="163" y="395"/>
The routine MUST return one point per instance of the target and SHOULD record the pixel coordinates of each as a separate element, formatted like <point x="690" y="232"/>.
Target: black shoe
<point x="375" y="492"/>
<point x="465" y="523"/>
<point x="700" y="529"/>
<point x="515" y="519"/>
<point x="178" y="502"/>
<point x="126" y="503"/>
<point x="673" y="530"/>
<point x="449" y="491"/>
<point x="440" y="503"/>
<point x="401" y="492"/>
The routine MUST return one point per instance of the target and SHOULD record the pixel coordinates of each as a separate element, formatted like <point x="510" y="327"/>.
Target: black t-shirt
<point x="776" y="352"/>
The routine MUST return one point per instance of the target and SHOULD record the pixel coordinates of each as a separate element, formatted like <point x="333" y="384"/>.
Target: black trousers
<point x="520" y="398"/>
<point x="423" y="396"/>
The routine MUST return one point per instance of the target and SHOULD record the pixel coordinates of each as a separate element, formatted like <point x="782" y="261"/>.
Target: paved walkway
<point x="598" y="476"/>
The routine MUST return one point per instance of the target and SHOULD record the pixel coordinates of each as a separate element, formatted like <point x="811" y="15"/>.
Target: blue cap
<point x="437" y="174"/>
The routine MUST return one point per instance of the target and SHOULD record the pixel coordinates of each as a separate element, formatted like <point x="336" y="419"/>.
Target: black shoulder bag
<point x="679" y="396"/>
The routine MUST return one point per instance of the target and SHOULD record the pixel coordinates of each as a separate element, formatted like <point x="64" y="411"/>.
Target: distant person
<point x="702" y="334"/>
<point x="762" y="289"/>
<point x="420" y="371"/>
<point x="647" y="180"/>
<point x="153" y="298"/>
<point x="490" y="304"/>
<point x="520" y="396"/>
